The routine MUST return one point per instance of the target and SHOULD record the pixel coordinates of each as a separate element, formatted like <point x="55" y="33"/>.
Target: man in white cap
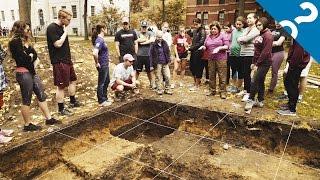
<point x="123" y="76"/>
<point x="126" y="40"/>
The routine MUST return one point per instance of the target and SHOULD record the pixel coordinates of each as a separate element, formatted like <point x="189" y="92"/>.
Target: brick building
<point x="219" y="10"/>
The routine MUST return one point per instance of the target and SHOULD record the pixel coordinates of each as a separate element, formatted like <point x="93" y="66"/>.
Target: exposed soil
<point x="141" y="139"/>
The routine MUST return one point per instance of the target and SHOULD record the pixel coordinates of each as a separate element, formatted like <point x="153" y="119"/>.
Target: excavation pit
<point x="160" y="140"/>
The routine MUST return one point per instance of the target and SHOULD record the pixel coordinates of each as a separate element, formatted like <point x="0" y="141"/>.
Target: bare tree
<point x="85" y="19"/>
<point x="25" y="10"/>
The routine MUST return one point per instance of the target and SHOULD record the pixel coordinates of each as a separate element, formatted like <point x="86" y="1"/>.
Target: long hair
<point x="97" y="30"/>
<point x="18" y="29"/>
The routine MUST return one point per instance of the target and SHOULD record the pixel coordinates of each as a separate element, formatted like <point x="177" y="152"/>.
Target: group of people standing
<point x="240" y="56"/>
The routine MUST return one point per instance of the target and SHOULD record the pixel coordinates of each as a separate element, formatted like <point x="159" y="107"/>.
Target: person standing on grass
<point x="227" y="29"/>
<point x="205" y="56"/>
<point x="101" y="58"/>
<point x="166" y="34"/>
<point x="126" y="41"/>
<point x="196" y="62"/>
<point x="246" y="54"/>
<point x="234" y="57"/>
<point x="278" y="53"/>
<point x="217" y="45"/>
<point x="298" y="59"/>
<point x="26" y="58"/>
<point x="181" y="44"/>
<point x="145" y="38"/>
<point x="63" y="71"/>
<point x="160" y="59"/>
<point x="123" y="76"/>
<point x="261" y="63"/>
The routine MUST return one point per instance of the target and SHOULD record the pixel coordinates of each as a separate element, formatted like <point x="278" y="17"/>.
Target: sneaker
<point x="286" y="112"/>
<point x="6" y="132"/>
<point x="181" y="84"/>
<point x="172" y="86"/>
<point x="160" y="92"/>
<point x="211" y="93"/>
<point x="259" y="104"/>
<point x="65" y="112"/>
<point x="284" y="107"/>
<point x="245" y="97"/>
<point x="249" y="105"/>
<point x="223" y="96"/>
<point x="4" y="139"/>
<point x="299" y="98"/>
<point x="106" y="103"/>
<point x="52" y="121"/>
<point x="168" y="91"/>
<point x="283" y="97"/>
<point x="32" y="127"/>
<point x="75" y="104"/>
<point x="193" y="89"/>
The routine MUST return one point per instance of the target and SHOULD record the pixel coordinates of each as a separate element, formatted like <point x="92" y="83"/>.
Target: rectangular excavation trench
<point x="142" y="138"/>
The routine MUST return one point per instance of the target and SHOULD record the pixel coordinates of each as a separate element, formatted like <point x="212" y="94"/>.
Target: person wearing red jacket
<point x="261" y="63"/>
<point x="298" y="59"/>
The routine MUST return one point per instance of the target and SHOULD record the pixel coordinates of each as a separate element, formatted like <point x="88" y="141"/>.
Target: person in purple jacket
<point x="159" y="54"/>
<point x="298" y="59"/>
<point x="217" y="45"/>
<point x="101" y="58"/>
<point x="261" y="63"/>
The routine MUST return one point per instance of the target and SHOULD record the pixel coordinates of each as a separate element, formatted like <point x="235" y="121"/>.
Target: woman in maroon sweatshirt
<point x="261" y="63"/>
<point x="298" y="59"/>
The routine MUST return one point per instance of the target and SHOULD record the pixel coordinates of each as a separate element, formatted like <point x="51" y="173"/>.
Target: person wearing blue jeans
<point x="101" y="57"/>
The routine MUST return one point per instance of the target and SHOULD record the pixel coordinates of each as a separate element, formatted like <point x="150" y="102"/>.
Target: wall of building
<point x="6" y="6"/>
<point x="45" y="8"/>
<point x="213" y="8"/>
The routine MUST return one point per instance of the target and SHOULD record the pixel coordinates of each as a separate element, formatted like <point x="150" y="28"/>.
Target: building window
<point x="12" y="15"/>
<point x="63" y="7"/>
<point x="75" y="31"/>
<point x="2" y="16"/>
<point x="74" y="11"/>
<point x="222" y="1"/>
<point x="92" y="10"/>
<point x="41" y="19"/>
<point x="200" y="2"/>
<point x="221" y="17"/>
<point x="205" y="17"/>
<point x="54" y="12"/>
<point x="198" y="15"/>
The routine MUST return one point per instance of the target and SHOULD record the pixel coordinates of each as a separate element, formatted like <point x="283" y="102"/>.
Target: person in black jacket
<point x="26" y="57"/>
<point x="298" y="59"/>
<point x="196" y="63"/>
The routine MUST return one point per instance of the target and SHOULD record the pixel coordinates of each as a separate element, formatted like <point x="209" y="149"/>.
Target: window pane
<point x="199" y="2"/>
<point x="92" y="10"/>
<point x="74" y="11"/>
<point x="12" y="15"/>
<point x="54" y="12"/>
<point x="198" y="15"/>
<point x="3" y="17"/>
<point x="205" y="1"/>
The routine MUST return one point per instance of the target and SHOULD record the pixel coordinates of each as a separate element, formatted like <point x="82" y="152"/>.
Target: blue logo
<point x="300" y="18"/>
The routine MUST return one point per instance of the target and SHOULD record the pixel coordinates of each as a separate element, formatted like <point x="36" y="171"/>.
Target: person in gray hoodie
<point x="247" y="52"/>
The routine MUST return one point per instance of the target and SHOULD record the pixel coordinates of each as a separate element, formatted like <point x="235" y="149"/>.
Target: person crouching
<point x="123" y="76"/>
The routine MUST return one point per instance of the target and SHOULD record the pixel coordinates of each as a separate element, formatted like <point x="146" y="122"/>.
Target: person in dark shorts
<point x="196" y="62"/>
<point x="26" y="58"/>
<point x="60" y="56"/>
<point x="181" y="44"/>
<point x="101" y="57"/>
<point x="145" y="38"/>
<point x="126" y="41"/>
